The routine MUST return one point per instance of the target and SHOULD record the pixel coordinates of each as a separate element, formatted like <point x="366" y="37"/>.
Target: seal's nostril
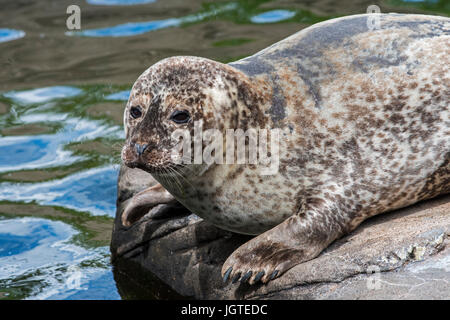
<point x="140" y="148"/>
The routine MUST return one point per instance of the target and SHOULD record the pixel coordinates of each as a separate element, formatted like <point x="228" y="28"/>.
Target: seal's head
<point x="174" y="94"/>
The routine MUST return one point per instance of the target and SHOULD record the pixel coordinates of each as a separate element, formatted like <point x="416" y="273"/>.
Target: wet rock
<point x="172" y="253"/>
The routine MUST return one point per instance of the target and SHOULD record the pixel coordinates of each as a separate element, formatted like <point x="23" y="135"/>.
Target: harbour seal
<point x="364" y="129"/>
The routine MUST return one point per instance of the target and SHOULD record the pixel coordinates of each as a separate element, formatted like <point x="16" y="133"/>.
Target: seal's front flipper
<point x="143" y="201"/>
<point x="298" y="239"/>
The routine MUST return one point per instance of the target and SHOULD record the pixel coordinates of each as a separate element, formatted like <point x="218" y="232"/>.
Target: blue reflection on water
<point x="10" y="34"/>
<point x="39" y="252"/>
<point x="272" y="16"/>
<point x="41" y="95"/>
<point x="29" y="242"/>
<point x="118" y="2"/>
<point x="20" y="153"/>
<point x="129" y="29"/>
<point x="136" y="28"/>
<point x="47" y="150"/>
<point x="101" y="288"/>
<point x="14" y="242"/>
<point x="35" y="253"/>
<point x="92" y="191"/>
<point x="122" y="96"/>
<point x="40" y="151"/>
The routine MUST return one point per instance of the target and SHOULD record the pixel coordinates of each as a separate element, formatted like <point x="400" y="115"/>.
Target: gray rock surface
<point x="172" y="253"/>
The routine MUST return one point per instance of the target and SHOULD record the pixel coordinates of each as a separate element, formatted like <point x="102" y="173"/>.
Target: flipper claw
<point x="259" y="276"/>
<point x="246" y="276"/>
<point x="227" y="274"/>
<point x="273" y="275"/>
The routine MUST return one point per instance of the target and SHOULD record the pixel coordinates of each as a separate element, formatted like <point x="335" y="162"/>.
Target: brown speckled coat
<point x="365" y="128"/>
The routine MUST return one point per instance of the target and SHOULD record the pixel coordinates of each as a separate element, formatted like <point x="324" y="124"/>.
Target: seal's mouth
<point x="166" y="169"/>
<point x="149" y="158"/>
<point x="140" y="165"/>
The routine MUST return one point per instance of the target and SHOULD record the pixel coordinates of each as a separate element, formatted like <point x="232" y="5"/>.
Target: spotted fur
<point x="365" y="129"/>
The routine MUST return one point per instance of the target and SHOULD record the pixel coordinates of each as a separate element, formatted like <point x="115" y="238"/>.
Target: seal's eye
<point x="135" y="112"/>
<point x="180" y="116"/>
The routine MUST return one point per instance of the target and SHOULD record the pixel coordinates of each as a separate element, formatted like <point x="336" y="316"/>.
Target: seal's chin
<point x="140" y="165"/>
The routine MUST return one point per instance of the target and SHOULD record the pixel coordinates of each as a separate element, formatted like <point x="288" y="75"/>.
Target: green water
<point x="62" y="95"/>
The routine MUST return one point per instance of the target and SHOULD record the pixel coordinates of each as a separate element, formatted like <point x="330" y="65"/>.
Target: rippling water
<point x="233" y="10"/>
<point x="39" y="257"/>
<point x="10" y="34"/>
<point x="62" y="94"/>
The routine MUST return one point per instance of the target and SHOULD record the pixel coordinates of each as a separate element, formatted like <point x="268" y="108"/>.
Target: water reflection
<point x="38" y="257"/>
<point x="10" y="34"/>
<point x="37" y="107"/>
<point x="47" y="150"/>
<point x="92" y="191"/>
<point x="99" y="286"/>
<point x="136" y="28"/>
<point x="31" y="152"/>
<point x="41" y="95"/>
<point x="39" y="252"/>
<point x="129" y="29"/>
<point x="28" y="242"/>
<point x="238" y="12"/>
<point x="121" y="96"/>
<point x="272" y="16"/>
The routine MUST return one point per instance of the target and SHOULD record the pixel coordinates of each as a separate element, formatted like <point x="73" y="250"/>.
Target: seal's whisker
<point x="166" y="178"/>
<point x="170" y="179"/>
<point x="175" y="170"/>
<point x="329" y="142"/>
<point x="175" y="177"/>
